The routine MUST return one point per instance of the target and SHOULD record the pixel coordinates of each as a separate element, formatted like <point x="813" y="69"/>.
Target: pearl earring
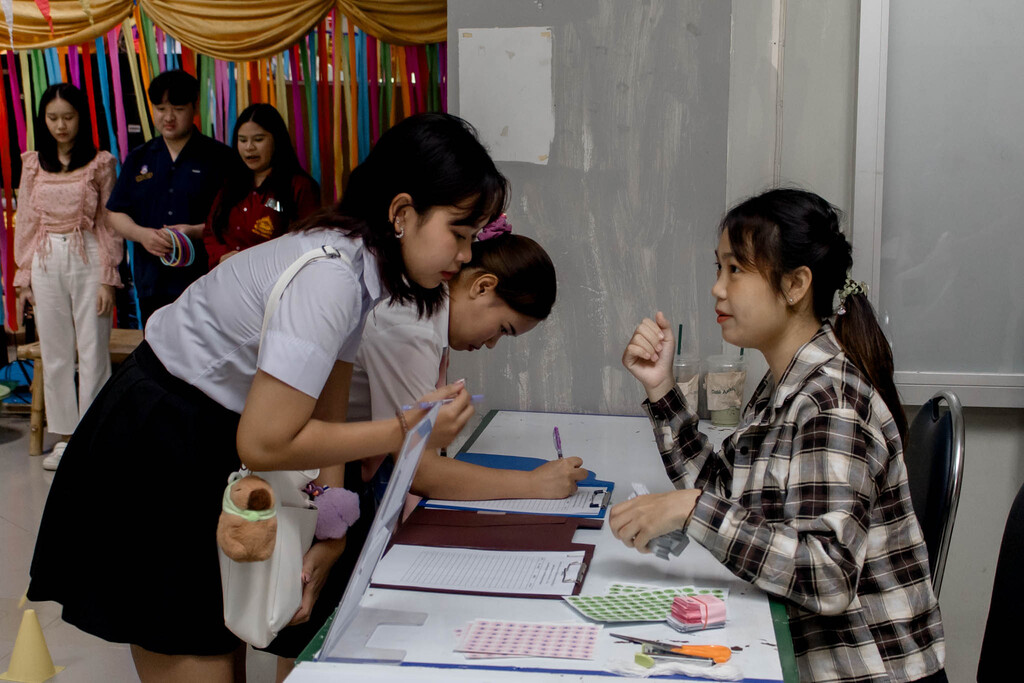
<point x="399" y="230"/>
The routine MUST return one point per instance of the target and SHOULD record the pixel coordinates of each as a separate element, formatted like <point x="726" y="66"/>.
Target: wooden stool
<point x="122" y="343"/>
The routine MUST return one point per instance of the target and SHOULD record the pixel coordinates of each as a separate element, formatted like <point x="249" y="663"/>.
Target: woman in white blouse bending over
<point x="67" y="257"/>
<point x="506" y="290"/>
<point x="149" y="461"/>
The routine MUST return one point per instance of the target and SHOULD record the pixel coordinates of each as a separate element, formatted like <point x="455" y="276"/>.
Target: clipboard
<point x="599" y="504"/>
<point x="353" y="626"/>
<point x="482" y="531"/>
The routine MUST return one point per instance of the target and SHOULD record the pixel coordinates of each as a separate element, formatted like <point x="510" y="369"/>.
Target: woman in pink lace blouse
<point x="67" y="256"/>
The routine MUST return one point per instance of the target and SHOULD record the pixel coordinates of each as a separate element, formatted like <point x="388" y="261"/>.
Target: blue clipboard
<point x="526" y="464"/>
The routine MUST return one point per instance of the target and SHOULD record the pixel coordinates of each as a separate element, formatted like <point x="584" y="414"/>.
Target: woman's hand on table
<point x="557" y="478"/>
<point x="637" y="521"/>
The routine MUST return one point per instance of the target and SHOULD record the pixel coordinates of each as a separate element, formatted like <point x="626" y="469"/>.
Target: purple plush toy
<point x="338" y="510"/>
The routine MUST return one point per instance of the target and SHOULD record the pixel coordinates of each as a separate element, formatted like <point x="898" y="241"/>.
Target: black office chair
<point x="934" y="455"/>
<point x="1002" y="631"/>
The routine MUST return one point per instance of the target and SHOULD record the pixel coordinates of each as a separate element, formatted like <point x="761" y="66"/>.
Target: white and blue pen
<point x="475" y="398"/>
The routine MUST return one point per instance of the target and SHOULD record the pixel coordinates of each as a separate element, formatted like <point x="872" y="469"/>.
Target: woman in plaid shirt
<point x="808" y="499"/>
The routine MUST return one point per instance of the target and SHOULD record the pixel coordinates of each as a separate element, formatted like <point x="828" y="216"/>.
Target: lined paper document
<point x="587" y="501"/>
<point x="462" y="570"/>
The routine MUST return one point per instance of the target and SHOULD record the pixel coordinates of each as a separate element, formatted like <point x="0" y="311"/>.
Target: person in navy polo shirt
<point x="169" y="181"/>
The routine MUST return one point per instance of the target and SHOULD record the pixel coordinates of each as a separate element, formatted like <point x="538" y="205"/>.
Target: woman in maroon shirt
<point x="259" y="203"/>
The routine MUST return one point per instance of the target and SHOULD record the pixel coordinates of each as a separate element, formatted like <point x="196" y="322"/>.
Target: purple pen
<point x="558" y="442"/>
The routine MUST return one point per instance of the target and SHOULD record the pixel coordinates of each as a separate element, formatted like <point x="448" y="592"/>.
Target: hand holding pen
<point x="455" y="412"/>
<point x="427" y="405"/>
<point x="556" y="478"/>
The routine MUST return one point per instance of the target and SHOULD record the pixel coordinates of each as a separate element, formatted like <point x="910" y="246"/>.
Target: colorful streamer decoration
<point x="26" y="79"/>
<point x="7" y="223"/>
<point x="87" y="8"/>
<point x="337" y="88"/>
<point x="8" y="7"/>
<point x="44" y="9"/>
<point x="19" y="118"/>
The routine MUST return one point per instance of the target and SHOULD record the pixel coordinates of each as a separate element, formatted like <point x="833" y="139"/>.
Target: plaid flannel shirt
<point x="808" y="500"/>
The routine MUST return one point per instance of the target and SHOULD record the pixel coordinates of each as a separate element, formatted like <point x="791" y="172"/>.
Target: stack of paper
<point x="490" y="572"/>
<point x="697" y="613"/>
<point x="587" y="501"/>
<point x="488" y="638"/>
<point x="459" y="551"/>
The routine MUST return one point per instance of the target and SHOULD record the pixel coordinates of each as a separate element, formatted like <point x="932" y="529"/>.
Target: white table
<point x="620" y="449"/>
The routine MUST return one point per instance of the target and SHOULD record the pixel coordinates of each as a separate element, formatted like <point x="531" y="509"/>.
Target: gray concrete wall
<point x="797" y="127"/>
<point x="628" y="203"/>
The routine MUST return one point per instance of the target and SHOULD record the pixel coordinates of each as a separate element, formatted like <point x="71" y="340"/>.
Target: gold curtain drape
<point x="235" y="30"/>
<point x="71" y="25"/>
<point x="400" y="22"/>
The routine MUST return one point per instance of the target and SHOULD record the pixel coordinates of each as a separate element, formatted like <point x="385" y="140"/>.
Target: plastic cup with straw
<point x="686" y="372"/>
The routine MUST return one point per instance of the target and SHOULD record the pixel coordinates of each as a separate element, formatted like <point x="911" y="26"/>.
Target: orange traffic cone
<point x="30" y="661"/>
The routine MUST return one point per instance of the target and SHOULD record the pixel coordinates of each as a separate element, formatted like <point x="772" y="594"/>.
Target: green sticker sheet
<point x="626" y="602"/>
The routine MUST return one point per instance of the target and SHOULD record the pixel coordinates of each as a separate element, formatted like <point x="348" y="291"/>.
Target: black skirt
<point x="127" y="542"/>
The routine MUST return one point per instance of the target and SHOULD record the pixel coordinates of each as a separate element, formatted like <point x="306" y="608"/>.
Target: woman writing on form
<point x="506" y="290"/>
<point x="808" y="499"/>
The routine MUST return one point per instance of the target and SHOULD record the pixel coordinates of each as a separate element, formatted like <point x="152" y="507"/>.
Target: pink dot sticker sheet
<point x="477" y="655"/>
<point x="528" y="639"/>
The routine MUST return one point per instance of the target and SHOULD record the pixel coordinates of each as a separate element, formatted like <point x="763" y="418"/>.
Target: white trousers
<point x="65" y="289"/>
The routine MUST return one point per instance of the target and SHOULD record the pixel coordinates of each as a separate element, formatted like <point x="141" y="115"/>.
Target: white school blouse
<point x="399" y="360"/>
<point x="210" y="336"/>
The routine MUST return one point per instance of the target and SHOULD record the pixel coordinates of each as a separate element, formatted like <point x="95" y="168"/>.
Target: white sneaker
<point x="51" y="461"/>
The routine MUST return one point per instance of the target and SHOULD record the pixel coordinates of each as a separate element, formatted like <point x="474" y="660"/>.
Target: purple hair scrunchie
<point x="338" y="510"/>
<point x="501" y="226"/>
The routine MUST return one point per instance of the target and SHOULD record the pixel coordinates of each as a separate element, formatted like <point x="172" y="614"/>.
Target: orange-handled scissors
<point x="719" y="654"/>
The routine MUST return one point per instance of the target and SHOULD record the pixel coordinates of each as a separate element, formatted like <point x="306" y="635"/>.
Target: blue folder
<point x="526" y="464"/>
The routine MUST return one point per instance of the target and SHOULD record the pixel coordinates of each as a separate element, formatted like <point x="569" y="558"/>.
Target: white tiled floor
<point x="23" y="488"/>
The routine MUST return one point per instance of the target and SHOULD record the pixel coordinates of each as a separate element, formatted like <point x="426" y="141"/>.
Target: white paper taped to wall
<point x="505" y="90"/>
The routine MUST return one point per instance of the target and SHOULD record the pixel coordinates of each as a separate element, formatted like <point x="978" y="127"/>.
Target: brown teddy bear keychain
<point x="247" y="529"/>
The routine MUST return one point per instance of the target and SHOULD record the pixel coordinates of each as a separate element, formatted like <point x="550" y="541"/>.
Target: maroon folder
<point x="440" y="528"/>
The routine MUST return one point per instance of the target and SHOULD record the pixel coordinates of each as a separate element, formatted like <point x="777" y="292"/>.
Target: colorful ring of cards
<point x="182" y="251"/>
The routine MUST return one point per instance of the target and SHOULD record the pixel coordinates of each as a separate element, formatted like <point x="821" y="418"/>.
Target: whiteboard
<point x="952" y="203"/>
